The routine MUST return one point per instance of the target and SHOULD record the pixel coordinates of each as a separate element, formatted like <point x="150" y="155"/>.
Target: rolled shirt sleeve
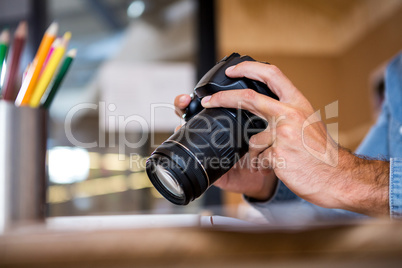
<point x="393" y="96"/>
<point x="395" y="188"/>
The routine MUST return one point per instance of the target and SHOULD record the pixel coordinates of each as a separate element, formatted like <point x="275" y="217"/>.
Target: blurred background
<point x="134" y="57"/>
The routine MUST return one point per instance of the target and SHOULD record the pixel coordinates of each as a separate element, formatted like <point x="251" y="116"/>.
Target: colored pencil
<point x="24" y="97"/>
<point x="55" y="43"/>
<point x="59" y="78"/>
<point x="49" y="71"/>
<point x="4" y="42"/>
<point x="9" y="92"/>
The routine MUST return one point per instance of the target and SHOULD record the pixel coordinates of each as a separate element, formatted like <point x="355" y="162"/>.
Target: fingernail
<point x="183" y="99"/>
<point x="205" y="100"/>
<point x="230" y="68"/>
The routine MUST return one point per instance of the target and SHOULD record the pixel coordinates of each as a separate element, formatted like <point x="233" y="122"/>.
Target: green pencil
<point x="4" y="42"/>
<point x="59" y="78"/>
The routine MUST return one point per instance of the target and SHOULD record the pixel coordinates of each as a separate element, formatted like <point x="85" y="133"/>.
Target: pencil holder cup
<point x="23" y="132"/>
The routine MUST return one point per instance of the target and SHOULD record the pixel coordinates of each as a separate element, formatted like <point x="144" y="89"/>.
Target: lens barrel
<point x="199" y="153"/>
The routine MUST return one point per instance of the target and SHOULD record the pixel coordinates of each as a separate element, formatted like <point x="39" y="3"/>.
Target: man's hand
<point x="239" y="178"/>
<point x="313" y="166"/>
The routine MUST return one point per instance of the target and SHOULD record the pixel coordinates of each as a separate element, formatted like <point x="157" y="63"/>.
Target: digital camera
<point x="210" y="142"/>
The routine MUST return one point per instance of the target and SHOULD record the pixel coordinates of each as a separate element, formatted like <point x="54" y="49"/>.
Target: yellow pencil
<point x="49" y="71"/>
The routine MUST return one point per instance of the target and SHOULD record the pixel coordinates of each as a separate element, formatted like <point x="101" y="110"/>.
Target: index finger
<point x="268" y="74"/>
<point x="248" y="99"/>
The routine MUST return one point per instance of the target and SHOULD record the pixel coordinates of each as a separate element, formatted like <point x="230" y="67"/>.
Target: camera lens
<point x="199" y="153"/>
<point x="169" y="182"/>
<point x="176" y="173"/>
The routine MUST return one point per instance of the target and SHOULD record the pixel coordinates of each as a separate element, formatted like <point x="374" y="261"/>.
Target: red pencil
<point x="13" y="62"/>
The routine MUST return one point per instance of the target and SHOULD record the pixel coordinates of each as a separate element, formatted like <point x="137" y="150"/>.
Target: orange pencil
<point x="47" y="41"/>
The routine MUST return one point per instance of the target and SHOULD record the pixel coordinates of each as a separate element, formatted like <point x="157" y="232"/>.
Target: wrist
<point x="364" y="187"/>
<point x="265" y="192"/>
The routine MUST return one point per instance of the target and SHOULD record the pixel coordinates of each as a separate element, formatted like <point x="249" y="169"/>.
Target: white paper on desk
<point x="221" y="221"/>
<point x="143" y="94"/>
<point x="86" y="223"/>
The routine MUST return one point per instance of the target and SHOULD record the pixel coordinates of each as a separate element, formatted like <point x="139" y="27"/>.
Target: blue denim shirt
<point x="384" y="141"/>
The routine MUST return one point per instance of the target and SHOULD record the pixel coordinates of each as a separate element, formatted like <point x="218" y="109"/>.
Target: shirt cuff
<point x="395" y="188"/>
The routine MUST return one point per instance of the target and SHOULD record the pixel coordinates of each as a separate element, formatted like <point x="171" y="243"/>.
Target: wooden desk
<point x="368" y="244"/>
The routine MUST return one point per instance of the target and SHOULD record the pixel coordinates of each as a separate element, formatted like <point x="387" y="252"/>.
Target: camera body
<point x="211" y="141"/>
<point x="216" y="80"/>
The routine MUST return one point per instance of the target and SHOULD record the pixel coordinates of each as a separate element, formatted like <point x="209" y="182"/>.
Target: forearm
<point x="365" y="185"/>
<point x="357" y="184"/>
